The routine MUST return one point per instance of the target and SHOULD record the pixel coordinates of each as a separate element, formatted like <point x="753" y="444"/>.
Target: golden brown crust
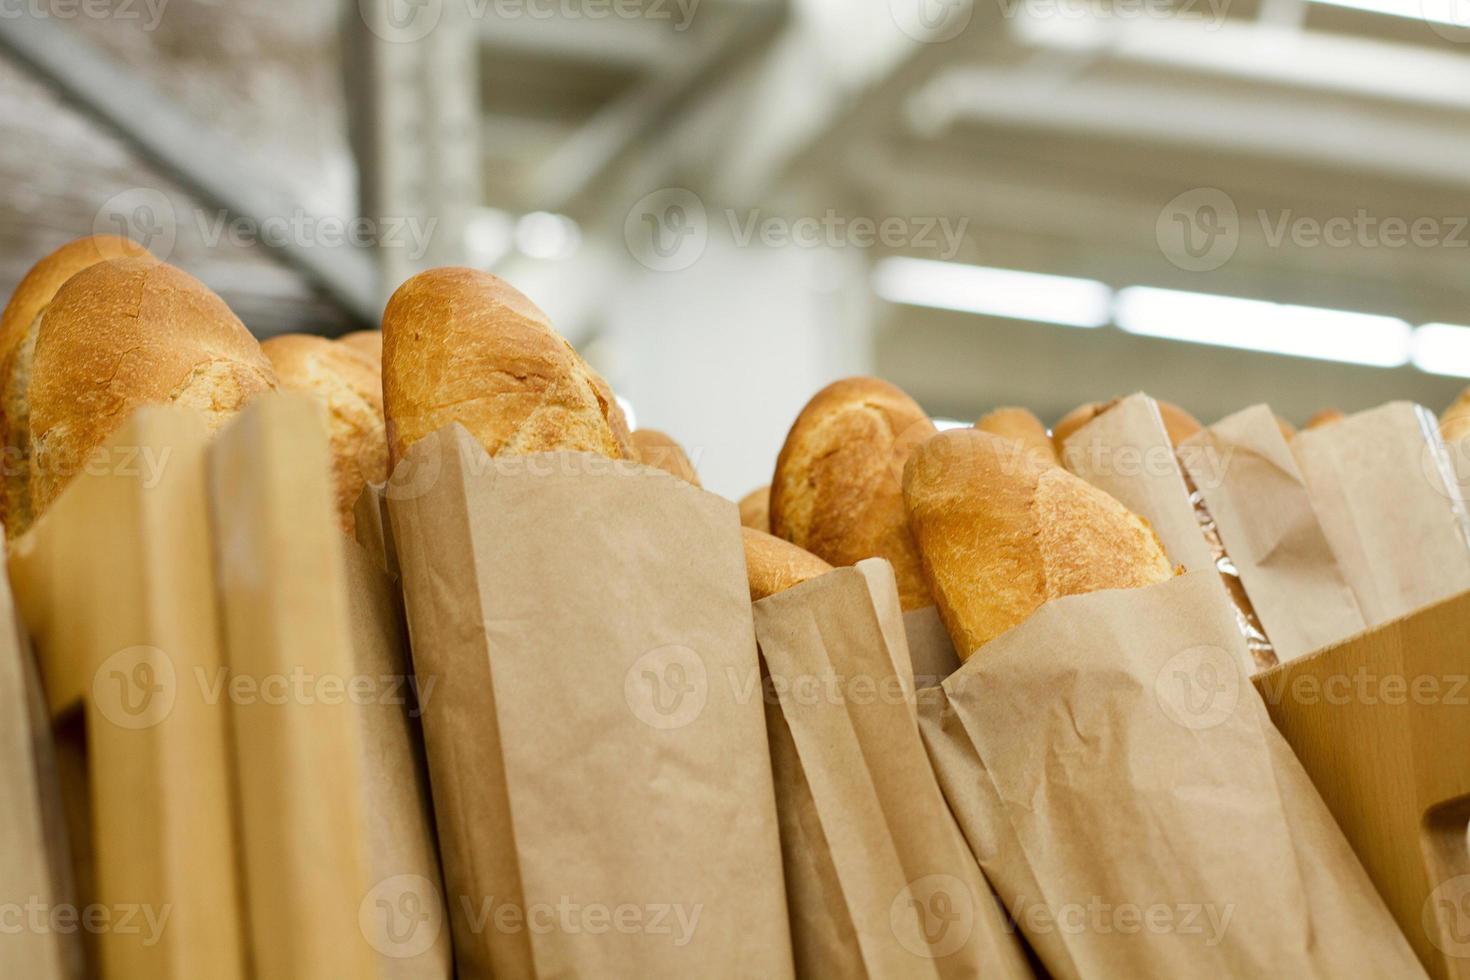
<point x="462" y="346"/>
<point x="1288" y="431"/>
<point x="1001" y="533"/>
<point x="755" y="509"/>
<point x="369" y="342"/>
<point x="773" y="565"/>
<point x="1178" y="423"/>
<point x="48" y="275"/>
<point x="659" y="449"/>
<point x="18" y="326"/>
<point x="348" y="384"/>
<point x="1020" y="425"/>
<point x="127" y="333"/>
<point x="837" y="490"/>
<point x="1454" y="425"/>
<point x="1325" y="416"/>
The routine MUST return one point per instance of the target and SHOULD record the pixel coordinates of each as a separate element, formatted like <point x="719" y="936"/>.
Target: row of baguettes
<point x="100" y="327"/>
<point x="982" y="521"/>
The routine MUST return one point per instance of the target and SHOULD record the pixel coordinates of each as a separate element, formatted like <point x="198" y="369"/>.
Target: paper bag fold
<point x="885" y="859"/>
<point x="1168" y="828"/>
<point x="597" y="747"/>
<point x="1268" y="522"/>
<point x="1389" y="502"/>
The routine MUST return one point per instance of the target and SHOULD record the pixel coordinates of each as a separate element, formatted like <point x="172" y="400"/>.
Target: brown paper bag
<point x="116" y="585"/>
<point x="35" y="862"/>
<point x="876" y="856"/>
<point x="1384" y="488"/>
<point x="600" y="778"/>
<point x="1168" y="828"/>
<point x="1126" y="451"/>
<point x="1266" y="519"/>
<point x="971" y="797"/>
<point x="335" y="831"/>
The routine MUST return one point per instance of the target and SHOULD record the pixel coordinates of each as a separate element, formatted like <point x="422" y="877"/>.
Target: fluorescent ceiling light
<point x="1443" y="348"/>
<point x="1276" y="328"/>
<point x="1412" y="9"/>
<point x="993" y="292"/>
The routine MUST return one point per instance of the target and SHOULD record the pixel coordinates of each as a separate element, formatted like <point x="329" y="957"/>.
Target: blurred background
<point x="728" y="203"/>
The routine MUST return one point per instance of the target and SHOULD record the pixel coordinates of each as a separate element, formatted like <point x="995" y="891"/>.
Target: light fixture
<point x="1443" y="348"/>
<point x="1412" y="9"/>
<point x="988" y="291"/>
<point x="1276" y="328"/>
<point x="543" y="235"/>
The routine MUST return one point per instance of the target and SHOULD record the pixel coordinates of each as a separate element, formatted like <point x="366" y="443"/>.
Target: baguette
<point x="1178" y="423"/>
<point x="755" y="509"/>
<point x="18" y="326"/>
<point x="369" y="342"/>
<point x="1322" y="417"/>
<point x="773" y="565"/>
<point x="1001" y="533"/>
<point x="463" y="346"/>
<point x="127" y="333"/>
<point x="837" y="489"/>
<point x="349" y="385"/>
<point x="658" y="449"/>
<point x="1021" y="426"/>
<point x="1454" y="425"/>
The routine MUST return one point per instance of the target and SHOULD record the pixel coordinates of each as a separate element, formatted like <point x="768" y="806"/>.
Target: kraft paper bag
<point x="35" y="861"/>
<point x="1269" y="523"/>
<point x="597" y="745"/>
<point x="1166" y="825"/>
<point x="885" y="886"/>
<point x="334" y="829"/>
<point x="1127" y="452"/>
<point x="371" y="530"/>
<point x="971" y="797"/>
<point x="1385" y="489"/>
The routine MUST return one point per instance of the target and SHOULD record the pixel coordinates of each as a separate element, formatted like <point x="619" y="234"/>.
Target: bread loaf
<point x="369" y="342"/>
<point x="1454" y="425"/>
<point x="18" y="326"/>
<point x="658" y="449"/>
<point x="837" y="489"/>
<point x="348" y="384"/>
<point x="127" y="333"/>
<point x="1002" y="533"/>
<point x="773" y="565"/>
<point x="755" y="509"/>
<point x="1323" y="417"/>
<point x="1178" y="423"/>
<point x="1020" y="426"/>
<point x="463" y="346"/>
